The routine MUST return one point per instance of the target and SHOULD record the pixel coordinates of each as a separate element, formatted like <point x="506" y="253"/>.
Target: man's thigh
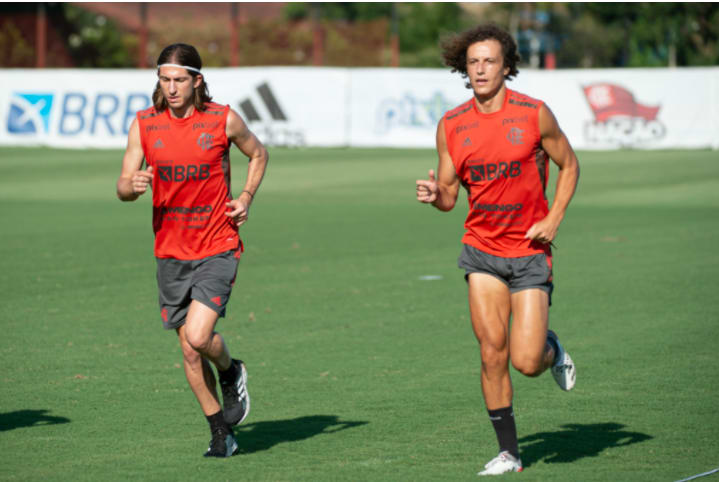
<point x="489" y="307"/>
<point x="530" y="314"/>
<point x="200" y="321"/>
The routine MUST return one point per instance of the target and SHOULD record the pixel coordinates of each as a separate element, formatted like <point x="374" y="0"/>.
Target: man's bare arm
<point x="556" y="145"/>
<point x="239" y="134"/>
<point x="133" y="182"/>
<point x="440" y="192"/>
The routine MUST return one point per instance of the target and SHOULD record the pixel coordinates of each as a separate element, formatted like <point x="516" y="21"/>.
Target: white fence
<point x="597" y="109"/>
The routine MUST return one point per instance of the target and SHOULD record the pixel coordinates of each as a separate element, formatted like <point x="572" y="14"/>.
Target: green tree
<point x="95" y="41"/>
<point x="661" y="34"/>
<point x="421" y="25"/>
<point x="618" y="34"/>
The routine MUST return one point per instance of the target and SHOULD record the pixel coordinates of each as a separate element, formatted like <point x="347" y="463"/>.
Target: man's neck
<point x="491" y="103"/>
<point x="183" y="112"/>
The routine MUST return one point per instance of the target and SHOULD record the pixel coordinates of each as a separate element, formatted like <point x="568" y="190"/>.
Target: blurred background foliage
<point x="95" y="40"/>
<point x="562" y="35"/>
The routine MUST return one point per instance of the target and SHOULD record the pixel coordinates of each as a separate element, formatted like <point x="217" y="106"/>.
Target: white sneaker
<point x="502" y="463"/>
<point x="563" y="370"/>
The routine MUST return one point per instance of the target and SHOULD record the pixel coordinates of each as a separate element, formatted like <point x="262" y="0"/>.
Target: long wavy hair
<point x="182" y="54"/>
<point x="454" y="48"/>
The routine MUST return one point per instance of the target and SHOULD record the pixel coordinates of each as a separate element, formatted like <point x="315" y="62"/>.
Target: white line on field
<point x="699" y="475"/>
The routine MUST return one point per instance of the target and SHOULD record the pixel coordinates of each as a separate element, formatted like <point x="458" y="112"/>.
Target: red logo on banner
<point x="608" y="100"/>
<point x="619" y="118"/>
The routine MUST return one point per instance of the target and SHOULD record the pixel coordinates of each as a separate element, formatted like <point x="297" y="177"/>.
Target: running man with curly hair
<point x="497" y="145"/>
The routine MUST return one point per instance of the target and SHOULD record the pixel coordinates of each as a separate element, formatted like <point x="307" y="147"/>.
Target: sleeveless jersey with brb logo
<point x="190" y="159"/>
<point x="500" y="162"/>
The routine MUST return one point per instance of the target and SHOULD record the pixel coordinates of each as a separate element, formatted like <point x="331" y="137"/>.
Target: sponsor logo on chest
<point x="489" y="171"/>
<point x="180" y="173"/>
<point x="205" y="125"/>
<point x="466" y="127"/>
<point x="515" y="120"/>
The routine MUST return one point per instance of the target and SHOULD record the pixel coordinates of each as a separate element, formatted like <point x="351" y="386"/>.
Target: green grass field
<point x="359" y="370"/>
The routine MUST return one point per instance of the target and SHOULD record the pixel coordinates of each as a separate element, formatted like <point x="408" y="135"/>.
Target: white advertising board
<point x="630" y="108"/>
<point x="305" y="106"/>
<point x="400" y="107"/>
<point x="293" y="106"/>
<point x="94" y="108"/>
<point x="596" y="108"/>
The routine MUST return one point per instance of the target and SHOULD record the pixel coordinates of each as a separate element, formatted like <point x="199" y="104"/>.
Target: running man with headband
<point x="185" y="139"/>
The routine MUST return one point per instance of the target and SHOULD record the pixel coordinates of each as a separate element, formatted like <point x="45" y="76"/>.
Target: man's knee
<point x="493" y="354"/>
<point x="190" y="354"/>
<point x="198" y="342"/>
<point x="528" y="366"/>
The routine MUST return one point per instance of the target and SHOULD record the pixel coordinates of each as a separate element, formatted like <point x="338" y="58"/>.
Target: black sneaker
<point x="223" y="444"/>
<point x="235" y="398"/>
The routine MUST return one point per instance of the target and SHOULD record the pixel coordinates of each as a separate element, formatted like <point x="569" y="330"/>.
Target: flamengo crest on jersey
<point x="191" y="161"/>
<point x="499" y="160"/>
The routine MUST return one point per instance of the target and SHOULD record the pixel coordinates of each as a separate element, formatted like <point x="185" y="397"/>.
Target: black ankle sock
<point x="217" y="421"/>
<point x="230" y="374"/>
<point x="503" y="422"/>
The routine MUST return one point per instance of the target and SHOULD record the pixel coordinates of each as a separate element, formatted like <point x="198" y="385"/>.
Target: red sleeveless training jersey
<point x="190" y="159"/>
<point x="499" y="160"/>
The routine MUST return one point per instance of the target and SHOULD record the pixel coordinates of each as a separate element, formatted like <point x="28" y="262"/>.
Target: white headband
<point x="180" y="66"/>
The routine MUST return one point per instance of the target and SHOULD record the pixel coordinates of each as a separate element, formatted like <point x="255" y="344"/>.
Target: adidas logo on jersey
<point x="467" y="141"/>
<point x="158" y="144"/>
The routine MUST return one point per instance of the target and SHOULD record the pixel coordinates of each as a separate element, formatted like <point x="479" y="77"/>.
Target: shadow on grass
<point x="258" y="436"/>
<point x="576" y="441"/>
<point x="28" y="418"/>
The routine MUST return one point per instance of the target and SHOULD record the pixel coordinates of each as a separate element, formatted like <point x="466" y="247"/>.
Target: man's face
<point x="485" y="67"/>
<point x="177" y="86"/>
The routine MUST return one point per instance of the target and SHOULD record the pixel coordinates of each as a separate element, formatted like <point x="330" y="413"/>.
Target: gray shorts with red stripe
<point x="207" y="280"/>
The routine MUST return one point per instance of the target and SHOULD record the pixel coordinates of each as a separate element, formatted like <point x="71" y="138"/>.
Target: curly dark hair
<point x="454" y="48"/>
<point x="182" y="54"/>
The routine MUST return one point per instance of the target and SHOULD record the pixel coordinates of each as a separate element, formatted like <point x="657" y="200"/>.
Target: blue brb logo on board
<point x="103" y="113"/>
<point x="29" y="113"/>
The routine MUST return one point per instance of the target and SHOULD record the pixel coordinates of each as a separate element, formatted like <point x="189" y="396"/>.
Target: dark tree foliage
<point x="575" y="35"/>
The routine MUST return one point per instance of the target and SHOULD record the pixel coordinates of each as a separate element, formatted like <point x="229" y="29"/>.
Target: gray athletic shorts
<point x="517" y="273"/>
<point x="207" y="280"/>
